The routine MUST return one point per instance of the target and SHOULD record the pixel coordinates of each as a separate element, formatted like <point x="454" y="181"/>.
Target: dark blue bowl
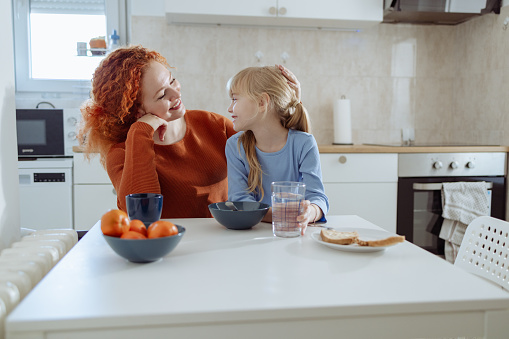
<point x="249" y="214"/>
<point x="145" y="250"/>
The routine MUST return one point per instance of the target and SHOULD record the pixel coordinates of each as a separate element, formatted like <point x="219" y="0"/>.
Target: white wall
<point x="148" y="7"/>
<point x="9" y="196"/>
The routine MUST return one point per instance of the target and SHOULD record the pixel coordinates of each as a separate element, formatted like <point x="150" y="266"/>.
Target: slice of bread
<point x="389" y="241"/>
<point x="338" y="237"/>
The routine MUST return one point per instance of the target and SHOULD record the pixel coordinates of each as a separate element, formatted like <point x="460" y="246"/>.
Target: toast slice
<point x="338" y="237"/>
<point x="389" y="241"/>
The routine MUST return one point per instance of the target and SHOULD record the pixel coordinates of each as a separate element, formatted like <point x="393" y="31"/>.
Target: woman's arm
<point x="132" y="168"/>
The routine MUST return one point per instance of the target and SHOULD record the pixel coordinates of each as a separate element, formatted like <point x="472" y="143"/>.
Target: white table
<point x="220" y="283"/>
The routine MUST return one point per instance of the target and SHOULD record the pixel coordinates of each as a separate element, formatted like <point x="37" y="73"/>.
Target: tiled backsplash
<point x="446" y="82"/>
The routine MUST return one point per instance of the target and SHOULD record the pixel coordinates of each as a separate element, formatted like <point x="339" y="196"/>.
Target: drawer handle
<point x="342" y="159"/>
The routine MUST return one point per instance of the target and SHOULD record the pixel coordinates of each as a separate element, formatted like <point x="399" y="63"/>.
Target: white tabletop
<point x="220" y="280"/>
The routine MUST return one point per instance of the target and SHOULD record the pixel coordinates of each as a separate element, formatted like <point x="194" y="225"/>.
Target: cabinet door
<point x="92" y="172"/>
<point x="344" y="14"/>
<point x="334" y="10"/>
<point x="91" y="202"/>
<point x="375" y="202"/>
<point x="359" y="167"/>
<point x="232" y="12"/>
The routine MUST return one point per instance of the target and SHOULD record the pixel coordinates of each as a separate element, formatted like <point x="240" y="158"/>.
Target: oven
<point x="420" y="178"/>
<point x="46" y="133"/>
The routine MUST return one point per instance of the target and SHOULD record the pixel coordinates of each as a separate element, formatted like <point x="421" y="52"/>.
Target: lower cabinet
<point x="363" y="184"/>
<point x="93" y="192"/>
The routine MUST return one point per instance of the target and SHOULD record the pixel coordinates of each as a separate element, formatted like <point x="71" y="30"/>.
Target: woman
<point x="274" y="143"/>
<point x="147" y="140"/>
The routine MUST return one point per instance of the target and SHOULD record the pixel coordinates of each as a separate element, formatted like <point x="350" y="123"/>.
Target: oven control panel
<point x="452" y="164"/>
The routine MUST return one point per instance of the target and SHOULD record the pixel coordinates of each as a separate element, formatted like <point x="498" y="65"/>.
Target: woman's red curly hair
<point x="114" y="100"/>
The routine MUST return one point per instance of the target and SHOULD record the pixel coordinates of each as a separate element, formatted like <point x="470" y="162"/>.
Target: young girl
<point x="273" y="143"/>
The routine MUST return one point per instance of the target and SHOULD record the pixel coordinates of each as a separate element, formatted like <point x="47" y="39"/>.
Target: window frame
<point x="115" y="19"/>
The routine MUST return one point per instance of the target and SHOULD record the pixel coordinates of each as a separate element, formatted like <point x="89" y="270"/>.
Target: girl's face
<point x="160" y="93"/>
<point x="244" y="111"/>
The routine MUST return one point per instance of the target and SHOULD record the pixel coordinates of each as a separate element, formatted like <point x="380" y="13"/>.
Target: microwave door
<point x="40" y="132"/>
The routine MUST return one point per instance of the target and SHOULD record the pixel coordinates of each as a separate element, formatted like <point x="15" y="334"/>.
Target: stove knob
<point x="470" y="164"/>
<point x="437" y="165"/>
<point x="454" y="165"/>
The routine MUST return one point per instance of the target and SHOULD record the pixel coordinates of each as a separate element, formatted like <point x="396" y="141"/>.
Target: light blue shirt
<point x="298" y="160"/>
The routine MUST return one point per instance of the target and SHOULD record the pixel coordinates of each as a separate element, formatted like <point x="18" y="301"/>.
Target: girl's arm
<point x="237" y="172"/>
<point x="312" y="176"/>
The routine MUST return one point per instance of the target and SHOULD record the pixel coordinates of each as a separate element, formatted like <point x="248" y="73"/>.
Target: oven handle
<point x="437" y="186"/>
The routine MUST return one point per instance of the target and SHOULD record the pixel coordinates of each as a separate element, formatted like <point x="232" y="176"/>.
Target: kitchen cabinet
<point x="340" y="14"/>
<point x="362" y="184"/>
<point x="93" y="192"/>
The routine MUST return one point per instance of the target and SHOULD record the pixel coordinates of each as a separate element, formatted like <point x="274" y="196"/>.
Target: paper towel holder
<point x="345" y="140"/>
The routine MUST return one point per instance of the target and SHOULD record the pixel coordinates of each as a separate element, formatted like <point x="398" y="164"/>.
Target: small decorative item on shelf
<point x="98" y="46"/>
<point x="114" y="41"/>
<point x="82" y="48"/>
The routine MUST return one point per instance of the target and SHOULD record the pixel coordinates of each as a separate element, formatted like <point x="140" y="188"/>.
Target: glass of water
<point x="287" y="197"/>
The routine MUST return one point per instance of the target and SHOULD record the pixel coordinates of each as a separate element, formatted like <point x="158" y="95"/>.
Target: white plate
<point x="364" y="234"/>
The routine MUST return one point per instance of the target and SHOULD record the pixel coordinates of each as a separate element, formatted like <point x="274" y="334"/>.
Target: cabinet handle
<point x="342" y="159"/>
<point x="272" y="10"/>
<point x="114" y="192"/>
<point x="282" y="11"/>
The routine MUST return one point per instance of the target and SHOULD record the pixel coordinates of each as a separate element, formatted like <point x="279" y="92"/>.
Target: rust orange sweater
<point x="190" y="174"/>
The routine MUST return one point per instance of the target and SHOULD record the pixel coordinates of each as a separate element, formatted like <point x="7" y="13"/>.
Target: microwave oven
<point x="40" y="132"/>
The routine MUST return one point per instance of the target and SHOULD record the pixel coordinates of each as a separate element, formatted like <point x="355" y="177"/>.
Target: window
<point x="47" y="35"/>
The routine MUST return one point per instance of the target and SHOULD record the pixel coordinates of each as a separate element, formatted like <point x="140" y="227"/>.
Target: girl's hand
<point x="310" y="213"/>
<point x="159" y="125"/>
<point x="307" y="215"/>
<point x="292" y="80"/>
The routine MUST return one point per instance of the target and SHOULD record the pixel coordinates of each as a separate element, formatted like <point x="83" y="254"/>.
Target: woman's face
<point x="160" y="93"/>
<point x="244" y="111"/>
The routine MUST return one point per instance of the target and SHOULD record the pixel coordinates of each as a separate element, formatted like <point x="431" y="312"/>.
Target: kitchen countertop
<point x="365" y="148"/>
<point x="220" y="283"/>
<point x="395" y="149"/>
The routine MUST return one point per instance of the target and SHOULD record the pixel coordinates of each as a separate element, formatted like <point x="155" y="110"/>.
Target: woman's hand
<point x="159" y="125"/>
<point x="310" y="213"/>
<point x="292" y="80"/>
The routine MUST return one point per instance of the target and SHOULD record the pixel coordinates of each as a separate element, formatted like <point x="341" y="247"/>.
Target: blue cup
<point x="146" y="207"/>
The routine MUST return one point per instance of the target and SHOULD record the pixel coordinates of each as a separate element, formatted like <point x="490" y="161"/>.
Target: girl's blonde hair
<point x="253" y="82"/>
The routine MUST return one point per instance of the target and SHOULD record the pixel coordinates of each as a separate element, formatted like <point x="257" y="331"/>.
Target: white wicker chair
<point x="484" y="250"/>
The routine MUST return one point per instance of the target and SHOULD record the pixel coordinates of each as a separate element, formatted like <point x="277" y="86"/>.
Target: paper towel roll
<point x="342" y="122"/>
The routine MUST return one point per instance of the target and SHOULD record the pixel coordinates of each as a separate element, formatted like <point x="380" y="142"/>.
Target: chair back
<point x="484" y="250"/>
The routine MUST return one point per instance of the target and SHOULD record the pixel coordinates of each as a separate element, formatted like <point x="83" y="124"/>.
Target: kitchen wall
<point x="9" y="192"/>
<point x="446" y="82"/>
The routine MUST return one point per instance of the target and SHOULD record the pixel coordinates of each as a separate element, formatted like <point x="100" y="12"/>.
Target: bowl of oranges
<point x="132" y="240"/>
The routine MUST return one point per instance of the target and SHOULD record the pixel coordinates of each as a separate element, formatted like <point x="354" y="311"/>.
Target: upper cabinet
<point x="336" y="14"/>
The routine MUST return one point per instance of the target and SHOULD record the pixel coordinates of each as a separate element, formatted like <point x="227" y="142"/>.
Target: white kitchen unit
<point x="339" y="14"/>
<point x="362" y="184"/>
<point x="93" y="192"/>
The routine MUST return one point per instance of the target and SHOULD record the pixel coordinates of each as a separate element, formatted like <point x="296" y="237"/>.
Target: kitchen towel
<point x="462" y="202"/>
<point x="342" y="122"/>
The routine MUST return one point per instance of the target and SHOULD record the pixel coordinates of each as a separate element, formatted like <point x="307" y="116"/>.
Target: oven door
<point x="419" y="216"/>
<point x="40" y="132"/>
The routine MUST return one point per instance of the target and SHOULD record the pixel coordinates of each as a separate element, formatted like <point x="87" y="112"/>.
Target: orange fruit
<point x="138" y="226"/>
<point x="161" y="228"/>
<point x="133" y="235"/>
<point x="114" y="223"/>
